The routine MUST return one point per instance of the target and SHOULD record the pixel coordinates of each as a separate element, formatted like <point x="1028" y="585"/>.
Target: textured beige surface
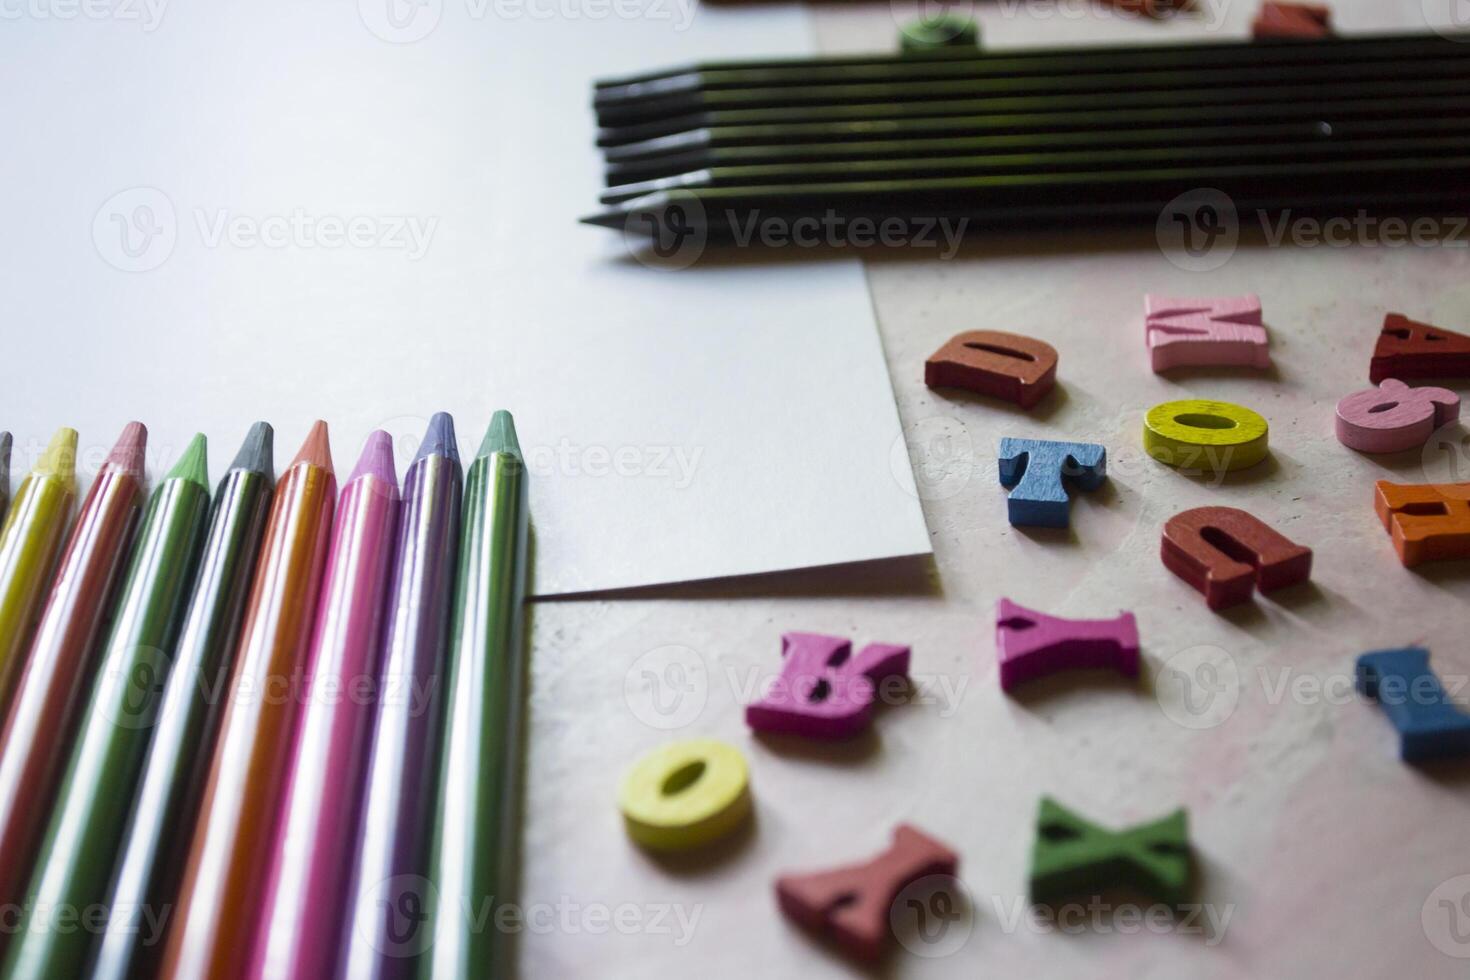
<point x="1327" y="850"/>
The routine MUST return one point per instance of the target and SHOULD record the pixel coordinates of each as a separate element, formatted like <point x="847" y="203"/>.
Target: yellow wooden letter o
<point x="685" y="794"/>
<point x="1205" y="435"/>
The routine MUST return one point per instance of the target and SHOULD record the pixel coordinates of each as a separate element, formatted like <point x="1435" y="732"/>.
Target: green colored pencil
<point x="476" y="830"/>
<point x="87" y="823"/>
<point x="172" y="780"/>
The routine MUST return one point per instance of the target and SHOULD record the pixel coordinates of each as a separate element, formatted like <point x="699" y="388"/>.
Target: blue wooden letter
<point x="1430" y="725"/>
<point x="1035" y="468"/>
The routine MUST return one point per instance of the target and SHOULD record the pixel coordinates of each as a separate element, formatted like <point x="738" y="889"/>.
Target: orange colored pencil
<point x="219" y="907"/>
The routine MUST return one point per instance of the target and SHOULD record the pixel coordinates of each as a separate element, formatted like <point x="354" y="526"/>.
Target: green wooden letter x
<point x="1074" y="857"/>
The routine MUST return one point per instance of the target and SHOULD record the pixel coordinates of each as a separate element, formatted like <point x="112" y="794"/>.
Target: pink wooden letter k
<point x="823" y="691"/>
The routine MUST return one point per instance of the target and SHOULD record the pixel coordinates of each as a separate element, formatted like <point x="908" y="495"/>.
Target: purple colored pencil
<point x="311" y="855"/>
<point x="383" y="931"/>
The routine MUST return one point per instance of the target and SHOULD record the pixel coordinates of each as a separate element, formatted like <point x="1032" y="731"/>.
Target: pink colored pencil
<point x="312" y="854"/>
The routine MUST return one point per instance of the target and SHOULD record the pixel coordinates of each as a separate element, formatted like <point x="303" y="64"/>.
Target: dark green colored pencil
<point x="476" y="827"/>
<point x="1035" y="163"/>
<point x="1076" y="198"/>
<point x="89" y="817"/>
<point x="962" y="63"/>
<point x="1316" y="133"/>
<point x="621" y="145"/>
<point x="1242" y="102"/>
<point x="1078" y="87"/>
<point x="161" y="807"/>
<point x="4" y="473"/>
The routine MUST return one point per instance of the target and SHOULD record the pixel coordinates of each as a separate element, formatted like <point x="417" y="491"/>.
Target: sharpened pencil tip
<point x="376" y="459"/>
<point x="607" y="219"/>
<point x="4" y="462"/>
<point x="258" y="452"/>
<point x="500" y="437"/>
<point x="316" y="450"/>
<point x="439" y="439"/>
<point x="129" y="452"/>
<point x="194" y="464"/>
<point x="60" y="457"/>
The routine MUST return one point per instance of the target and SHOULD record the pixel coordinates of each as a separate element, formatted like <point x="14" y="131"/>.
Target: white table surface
<point x="1332" y="857"/>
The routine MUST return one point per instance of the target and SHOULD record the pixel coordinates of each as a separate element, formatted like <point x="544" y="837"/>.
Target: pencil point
<point x="60" y="457"/>
<point x="501" y="436"/>
<point x="439" y="439"/>
<point x="4" y="462"/>
<point x="316" y="450"/>
<point x="607" y="219"/>
<point x="257" y="453"/>
<point x="376" y="459"/>
<point x="194" y="464"/>
<point x="128" y="452"/>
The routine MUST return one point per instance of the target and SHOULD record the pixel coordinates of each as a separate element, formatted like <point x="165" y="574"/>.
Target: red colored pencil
<point x="61" y="664"/>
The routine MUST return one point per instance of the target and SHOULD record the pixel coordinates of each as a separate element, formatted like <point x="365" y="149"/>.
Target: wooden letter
<point x="1073" y="856"/>
<point x="1222" y="552"/>
<point x="823" y="691"/>
<point x="1003" y="365"/>
<point x="853" y="904"/>
<point x="1211" y="332"/>
<point x="1427" y="522"/>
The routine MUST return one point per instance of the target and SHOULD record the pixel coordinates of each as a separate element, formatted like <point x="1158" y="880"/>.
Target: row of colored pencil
<point x="274" y="734"/>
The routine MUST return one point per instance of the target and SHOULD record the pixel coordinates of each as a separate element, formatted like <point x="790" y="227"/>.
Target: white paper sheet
<point x="217" y="213"/>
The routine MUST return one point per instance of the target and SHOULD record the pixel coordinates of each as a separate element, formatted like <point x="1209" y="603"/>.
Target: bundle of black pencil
<point x="1083" y="135"/>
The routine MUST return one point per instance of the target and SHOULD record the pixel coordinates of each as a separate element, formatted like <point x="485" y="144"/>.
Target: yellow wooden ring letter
<point x="685" y="794"/>
<point x="1204" y="435"/>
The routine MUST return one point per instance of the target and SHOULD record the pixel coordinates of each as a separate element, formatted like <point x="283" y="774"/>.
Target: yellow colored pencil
<point x="30" y="541"/>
